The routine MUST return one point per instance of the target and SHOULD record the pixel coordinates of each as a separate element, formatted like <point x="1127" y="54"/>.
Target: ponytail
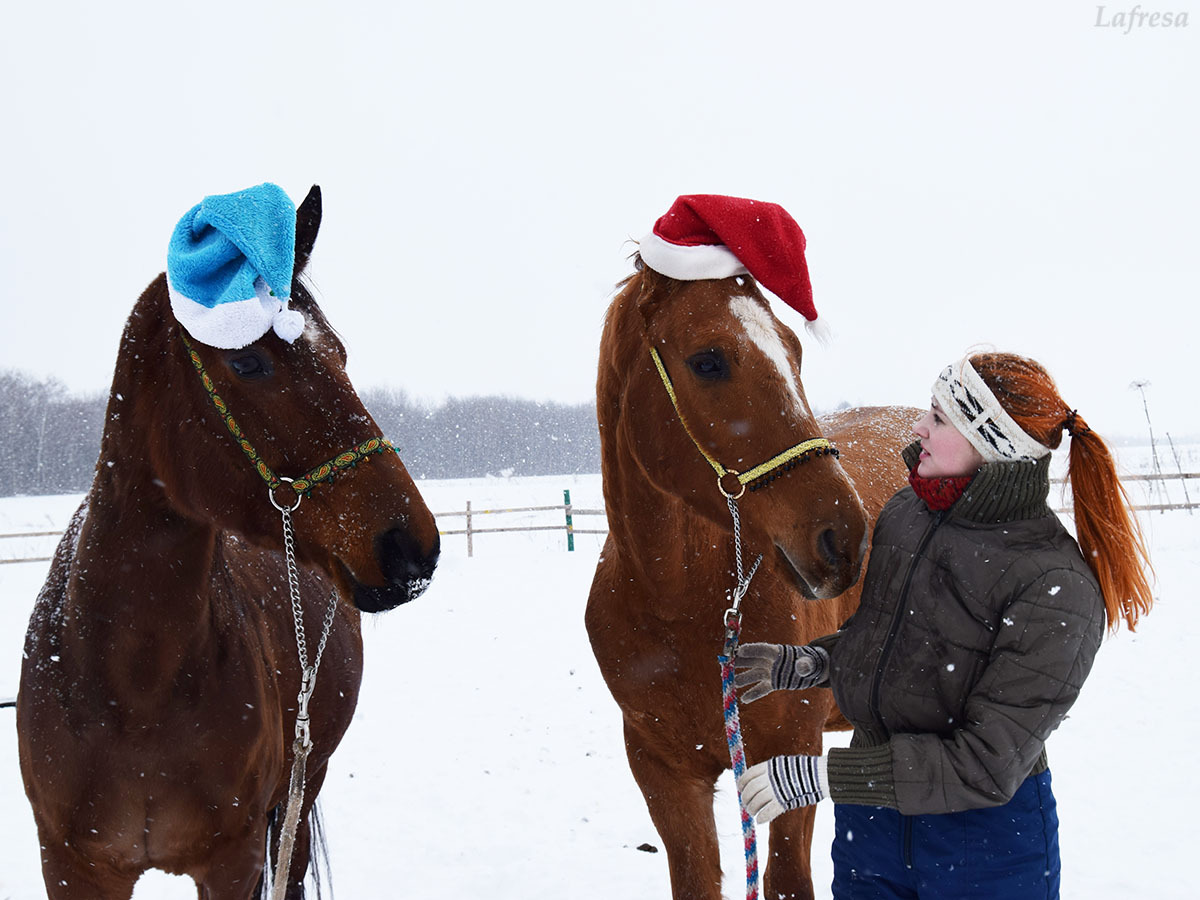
<point x="1106" y="528"/>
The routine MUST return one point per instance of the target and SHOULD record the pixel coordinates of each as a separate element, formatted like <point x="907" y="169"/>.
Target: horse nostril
<point x="401" y="559"/>
<point x="827" y="545"/>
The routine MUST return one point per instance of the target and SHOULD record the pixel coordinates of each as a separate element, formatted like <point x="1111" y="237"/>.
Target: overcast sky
<point x="1004" y="173"/>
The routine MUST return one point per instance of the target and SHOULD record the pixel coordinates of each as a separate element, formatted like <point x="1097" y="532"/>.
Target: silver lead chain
<point x="308" y="680"/>
<point x="743" y="580"/>
<point x="308" y="675"/>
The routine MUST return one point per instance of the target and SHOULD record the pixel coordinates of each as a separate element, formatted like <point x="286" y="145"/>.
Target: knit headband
<point x="973" y="409"/>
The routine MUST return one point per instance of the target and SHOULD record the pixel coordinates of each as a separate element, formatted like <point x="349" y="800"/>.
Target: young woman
<point x="979" y="621"/>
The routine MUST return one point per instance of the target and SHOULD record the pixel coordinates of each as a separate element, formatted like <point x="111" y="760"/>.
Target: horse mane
<point x="303" y="300"/>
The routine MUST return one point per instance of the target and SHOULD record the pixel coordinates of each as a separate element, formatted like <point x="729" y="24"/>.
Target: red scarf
<point x="938" y="493"/>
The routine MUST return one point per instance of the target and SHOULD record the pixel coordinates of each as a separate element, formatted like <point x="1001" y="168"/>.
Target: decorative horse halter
<point x="326" y="472"/>
<point x="758" y="477"/>
<point x="302" y="487"/>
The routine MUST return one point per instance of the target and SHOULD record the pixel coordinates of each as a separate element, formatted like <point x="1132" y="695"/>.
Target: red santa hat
<point x="712" y="236"/>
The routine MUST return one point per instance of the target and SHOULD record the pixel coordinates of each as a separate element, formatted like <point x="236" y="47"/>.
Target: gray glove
<point x="772" y="667"/>
<point x="782" y="783"/>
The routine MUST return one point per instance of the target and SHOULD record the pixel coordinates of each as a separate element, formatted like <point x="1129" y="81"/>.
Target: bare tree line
<point x="469" y="437"/>
<point x="50" y="437"/>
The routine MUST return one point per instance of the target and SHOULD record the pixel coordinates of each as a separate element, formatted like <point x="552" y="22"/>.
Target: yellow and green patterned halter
<point x="762" y="474"/>
<point x="325" y="472"/>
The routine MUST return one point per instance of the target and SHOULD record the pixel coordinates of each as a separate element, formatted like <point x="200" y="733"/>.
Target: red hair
<point x="1107" y="529"/>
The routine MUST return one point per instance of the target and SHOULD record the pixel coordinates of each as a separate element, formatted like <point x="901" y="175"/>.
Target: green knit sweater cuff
<point x="862" y="776"/>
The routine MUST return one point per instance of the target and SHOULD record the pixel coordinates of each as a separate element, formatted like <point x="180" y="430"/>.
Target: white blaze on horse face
<point x="760" y="328"/>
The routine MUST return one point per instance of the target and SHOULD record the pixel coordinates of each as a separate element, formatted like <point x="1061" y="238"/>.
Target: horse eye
<point x="709" y="365"/>
<point x="250" y="366"/>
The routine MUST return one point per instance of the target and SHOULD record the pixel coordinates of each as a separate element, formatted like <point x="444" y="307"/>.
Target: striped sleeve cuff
<point x="861" y="776"/>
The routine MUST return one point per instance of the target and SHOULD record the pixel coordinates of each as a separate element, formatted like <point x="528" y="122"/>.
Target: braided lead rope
<point x="302" y="745"/>
<point x="737" y="752"/>
<point x="733" y="725"/>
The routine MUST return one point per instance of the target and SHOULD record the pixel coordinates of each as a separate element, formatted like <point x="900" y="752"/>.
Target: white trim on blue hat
<point x="229" y="268"/>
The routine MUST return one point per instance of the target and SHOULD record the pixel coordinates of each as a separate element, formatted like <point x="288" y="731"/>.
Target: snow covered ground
<point x="486" y="756"/>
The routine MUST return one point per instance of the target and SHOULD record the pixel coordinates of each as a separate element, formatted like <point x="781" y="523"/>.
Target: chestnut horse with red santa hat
<point x="702" y="414"/>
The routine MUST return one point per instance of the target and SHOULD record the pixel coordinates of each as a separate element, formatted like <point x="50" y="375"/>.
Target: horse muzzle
<point x="830" y="565"/>
<point x="407" y="570"/>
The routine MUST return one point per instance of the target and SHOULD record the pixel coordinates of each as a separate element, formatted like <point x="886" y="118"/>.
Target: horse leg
<point x="789" y="867"/>
<point x="681" y="806"/>
<point x="788" y="862"/>
<point x="71" y="876"/>
<point x="233" y="870"/>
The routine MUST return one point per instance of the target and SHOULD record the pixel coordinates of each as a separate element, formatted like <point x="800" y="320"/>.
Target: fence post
<point x="470" y="543"/>
<point x="570" y="526"/>
<point x="1179" y="469"/>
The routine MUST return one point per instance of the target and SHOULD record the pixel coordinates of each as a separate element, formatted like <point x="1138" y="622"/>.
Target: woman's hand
<point x="771" y="667"/>
<point x="782" y="783"/>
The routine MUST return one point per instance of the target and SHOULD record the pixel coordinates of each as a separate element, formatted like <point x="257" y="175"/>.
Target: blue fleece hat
<point x="229" y="268"/>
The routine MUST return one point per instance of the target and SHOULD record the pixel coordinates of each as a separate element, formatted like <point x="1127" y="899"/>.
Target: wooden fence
<point x="470" y="526"/>
<point x="29" y="534"/>
<point x="569" y="513"/>
<point x="1158" y="484"/>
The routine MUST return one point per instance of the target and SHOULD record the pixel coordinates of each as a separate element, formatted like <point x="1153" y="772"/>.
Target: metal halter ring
<point x="275" y="503"/>
<point x="725" y="493"/>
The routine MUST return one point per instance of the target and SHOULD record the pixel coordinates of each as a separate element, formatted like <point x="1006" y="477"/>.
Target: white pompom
<point x="288" y="324"/>
<point x="819" y="328"/>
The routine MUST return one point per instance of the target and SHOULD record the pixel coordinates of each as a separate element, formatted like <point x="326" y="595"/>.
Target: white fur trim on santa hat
<point x="689" y="263"/>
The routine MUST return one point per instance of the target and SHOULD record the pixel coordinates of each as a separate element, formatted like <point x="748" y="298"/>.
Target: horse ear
<point x="652" y="290"/>
<point x="308" y="223"/>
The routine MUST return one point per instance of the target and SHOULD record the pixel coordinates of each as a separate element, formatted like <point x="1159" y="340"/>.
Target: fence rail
<point x="470" y="529"/>
<point x="569" y="512"/>
<point x="1157" y="481"/>
<point x="29" y="534"/>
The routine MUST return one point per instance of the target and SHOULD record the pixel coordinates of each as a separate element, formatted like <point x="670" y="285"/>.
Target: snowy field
<point x="486" y="755"/>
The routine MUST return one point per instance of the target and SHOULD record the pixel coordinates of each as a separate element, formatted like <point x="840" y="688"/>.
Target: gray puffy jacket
<point x="977" y="628"/>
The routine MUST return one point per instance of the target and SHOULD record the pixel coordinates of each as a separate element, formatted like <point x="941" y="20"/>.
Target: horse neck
<point x="655" y="538"/>
<point x="140" y="567"/>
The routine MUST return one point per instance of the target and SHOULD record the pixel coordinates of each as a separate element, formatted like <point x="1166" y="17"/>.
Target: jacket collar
<point x="1001" y="492"/>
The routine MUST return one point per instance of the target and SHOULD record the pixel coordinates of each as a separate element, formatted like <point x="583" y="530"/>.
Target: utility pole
<point x="1140" y="387"/>
<point x="1179" y="468"/>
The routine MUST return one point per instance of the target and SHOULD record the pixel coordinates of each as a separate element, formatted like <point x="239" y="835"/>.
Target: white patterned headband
<point x="973" y="409"/>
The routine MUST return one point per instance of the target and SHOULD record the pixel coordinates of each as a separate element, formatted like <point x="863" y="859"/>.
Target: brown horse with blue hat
<point x="194" y="656"/>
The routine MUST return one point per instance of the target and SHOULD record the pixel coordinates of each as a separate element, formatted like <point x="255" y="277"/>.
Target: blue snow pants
<point x="1008" y="851"/>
